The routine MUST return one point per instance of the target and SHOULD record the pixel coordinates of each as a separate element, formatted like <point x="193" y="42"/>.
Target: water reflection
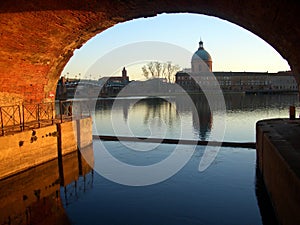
<point x="174" y="117"/>
<point x="140" y="117"/>
<point x="36" y="195"/>
<point x="201" y="116"/>
<point x="76" y="174"/>
<point x="157" y="108"/>
<point x="263" y="200"/>
<point x="32" y="197"/>
<point x="250" y="102"/>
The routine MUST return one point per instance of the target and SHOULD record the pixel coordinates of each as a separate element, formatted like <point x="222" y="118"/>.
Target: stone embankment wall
<point x="278" y="160"/>
<point x="21" y="151"/>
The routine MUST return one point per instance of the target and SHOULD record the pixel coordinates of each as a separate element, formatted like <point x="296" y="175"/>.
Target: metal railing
<point x="37" y="115"/>
<point x="10" y="118"/>
<point x="17" y="118"/>
<point x="71" y="110"/>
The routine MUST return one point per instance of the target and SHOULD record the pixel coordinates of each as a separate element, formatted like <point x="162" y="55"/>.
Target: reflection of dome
<point x="200" y="56"/>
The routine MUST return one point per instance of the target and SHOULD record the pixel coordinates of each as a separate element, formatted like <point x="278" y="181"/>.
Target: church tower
<point x="124" y="75"/>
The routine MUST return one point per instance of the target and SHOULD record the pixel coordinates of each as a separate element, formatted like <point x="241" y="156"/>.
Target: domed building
<point x="200" y="56"/>
<point x="247" y="82"/>
<point x="200" y="64"/>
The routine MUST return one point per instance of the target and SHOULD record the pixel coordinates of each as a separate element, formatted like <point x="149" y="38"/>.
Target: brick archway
<point x="38" y="38"/>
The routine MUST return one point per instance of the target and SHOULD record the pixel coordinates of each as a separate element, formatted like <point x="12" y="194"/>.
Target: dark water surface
<point x="222" y="194"/>
<point x="229" y="191"/>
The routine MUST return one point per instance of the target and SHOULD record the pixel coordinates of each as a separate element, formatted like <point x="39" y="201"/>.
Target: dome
<point x="201" y="53"/>
<point x="200" y="58"/>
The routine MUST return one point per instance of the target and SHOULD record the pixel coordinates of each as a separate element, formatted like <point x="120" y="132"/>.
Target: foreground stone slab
<point x="278" y="158"/>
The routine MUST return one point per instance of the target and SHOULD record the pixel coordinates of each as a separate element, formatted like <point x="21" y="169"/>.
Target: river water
<point x="174" y="117"/>
<point x="228" y="191"/>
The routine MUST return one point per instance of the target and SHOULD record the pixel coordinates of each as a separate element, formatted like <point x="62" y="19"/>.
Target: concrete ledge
<point x="84" y="127"/>
<point x="27" y="149"/>
<point x="68" y="134"/>
<point x="278" y="158"/>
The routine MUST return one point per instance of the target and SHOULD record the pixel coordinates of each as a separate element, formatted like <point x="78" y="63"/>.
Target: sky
<point x="231" y="47"/>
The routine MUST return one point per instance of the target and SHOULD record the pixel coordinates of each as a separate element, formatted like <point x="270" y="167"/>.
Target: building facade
<point x="200" y="74"/>
<point x="111" y="86"/>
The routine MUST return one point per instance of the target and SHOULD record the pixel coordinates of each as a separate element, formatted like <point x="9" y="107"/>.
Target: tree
<point x="160" y="70"/>
<point x="145" y="72"/>
<point x="170" y="70"/>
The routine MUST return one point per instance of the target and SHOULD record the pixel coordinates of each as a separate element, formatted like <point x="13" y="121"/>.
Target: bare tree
<point x="160" y="70"/>
<point x="158" y="67"/>
<point x="171" y="70"/>
<point x="145" y="72"/>
<point x="151" y="68"/>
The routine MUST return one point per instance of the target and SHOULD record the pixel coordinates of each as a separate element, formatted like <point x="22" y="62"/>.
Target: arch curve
<point x="39" y="38"/>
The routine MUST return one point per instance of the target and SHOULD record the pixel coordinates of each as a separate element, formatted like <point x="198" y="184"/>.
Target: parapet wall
<point x="27" y="149"/>
<point x="278" y="158"/>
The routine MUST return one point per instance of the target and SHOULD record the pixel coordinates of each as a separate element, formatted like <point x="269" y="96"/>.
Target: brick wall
<point x="39" y="38"/>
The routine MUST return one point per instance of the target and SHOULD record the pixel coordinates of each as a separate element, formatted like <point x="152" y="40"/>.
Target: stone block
<point x="27" y="149"/>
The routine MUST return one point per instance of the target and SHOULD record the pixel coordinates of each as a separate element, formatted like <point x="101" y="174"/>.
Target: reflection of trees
<point x="158" y="108"/>
<point x="152" y="108"/>
<point x="107" y="104"/>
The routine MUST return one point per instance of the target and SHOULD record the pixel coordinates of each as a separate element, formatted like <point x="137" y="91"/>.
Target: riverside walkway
<point x="18" y="118"/>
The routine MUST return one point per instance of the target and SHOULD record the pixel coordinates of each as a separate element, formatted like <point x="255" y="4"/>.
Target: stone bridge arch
<point x="38" y="37"/>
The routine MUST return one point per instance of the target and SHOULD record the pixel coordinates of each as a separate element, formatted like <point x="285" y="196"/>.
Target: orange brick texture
<point x="38" y="37"/>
